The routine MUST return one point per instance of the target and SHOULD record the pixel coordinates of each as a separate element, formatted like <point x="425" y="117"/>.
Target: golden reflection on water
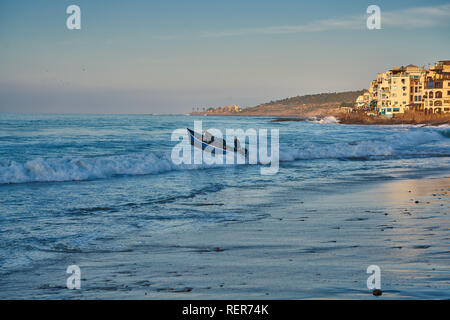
<point x="418" y="211"/>
<point x="409" y="191"/>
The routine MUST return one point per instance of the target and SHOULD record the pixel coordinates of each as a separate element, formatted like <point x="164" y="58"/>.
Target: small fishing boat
<point x="214" y="145"/>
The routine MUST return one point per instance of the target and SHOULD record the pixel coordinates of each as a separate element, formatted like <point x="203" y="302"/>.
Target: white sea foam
<point x="78" y="168"/>
<point x="87" y="168"/>
<point x="396" y="144"/>
<point x="326" y="120"/>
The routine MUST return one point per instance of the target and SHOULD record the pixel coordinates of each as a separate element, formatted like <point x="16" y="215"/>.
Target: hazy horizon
<point x="152" y="57"/>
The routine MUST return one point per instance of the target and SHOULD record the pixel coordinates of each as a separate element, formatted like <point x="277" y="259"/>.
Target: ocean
<point x="101" y="192"/>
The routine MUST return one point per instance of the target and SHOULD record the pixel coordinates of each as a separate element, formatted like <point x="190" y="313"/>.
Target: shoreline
<point x="291" y="254"/>
<point x="358" y="119"/>
<point x="407" y="118"/>
<point x="381" y="122"/>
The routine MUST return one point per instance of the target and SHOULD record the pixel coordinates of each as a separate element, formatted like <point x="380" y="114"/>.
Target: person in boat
<point x="207" y="137"/>
<point x="237" y="145"/>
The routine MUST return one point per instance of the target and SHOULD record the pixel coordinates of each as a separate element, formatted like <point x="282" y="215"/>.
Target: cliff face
<point x="309" y="105"/>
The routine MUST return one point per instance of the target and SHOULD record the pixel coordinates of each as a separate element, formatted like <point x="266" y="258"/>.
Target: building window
<point x="438" y="94"/>
<point x="396" y="110"/>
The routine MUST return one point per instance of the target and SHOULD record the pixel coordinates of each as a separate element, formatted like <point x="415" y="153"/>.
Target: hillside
<point x="307" y="105"/>
<point x="321" y="98"/>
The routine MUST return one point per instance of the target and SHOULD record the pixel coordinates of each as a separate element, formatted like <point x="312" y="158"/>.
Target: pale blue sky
<point x="170" y="56"/>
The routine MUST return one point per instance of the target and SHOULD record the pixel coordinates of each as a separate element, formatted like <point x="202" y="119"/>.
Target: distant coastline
<point x="321" y="104"/>
<point x="337" y="104"/>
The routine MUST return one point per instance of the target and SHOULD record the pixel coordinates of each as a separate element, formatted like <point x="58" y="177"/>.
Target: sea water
<point x="78" y="188"/>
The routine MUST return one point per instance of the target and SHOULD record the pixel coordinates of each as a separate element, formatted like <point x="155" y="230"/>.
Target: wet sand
<point x="313" y="246"/>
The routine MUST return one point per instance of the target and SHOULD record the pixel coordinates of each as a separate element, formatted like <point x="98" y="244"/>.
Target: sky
<point x="171" y="56"/>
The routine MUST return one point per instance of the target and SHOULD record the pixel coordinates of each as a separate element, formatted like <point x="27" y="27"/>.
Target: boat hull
<point x="218" y="147"/>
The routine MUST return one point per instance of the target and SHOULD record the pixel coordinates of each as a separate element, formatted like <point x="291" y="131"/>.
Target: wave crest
<point x="85" y="168"/>
<point x="79" y="168"/>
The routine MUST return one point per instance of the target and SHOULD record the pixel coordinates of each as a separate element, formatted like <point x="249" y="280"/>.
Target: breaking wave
<point x="79" y="168"/>
<point x="326" y="120"/>
<point x="400" y="144"/>
<point x="89" y="168"/>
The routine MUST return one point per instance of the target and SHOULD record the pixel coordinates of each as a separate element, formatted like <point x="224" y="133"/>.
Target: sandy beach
<point x="313" y="246"/>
